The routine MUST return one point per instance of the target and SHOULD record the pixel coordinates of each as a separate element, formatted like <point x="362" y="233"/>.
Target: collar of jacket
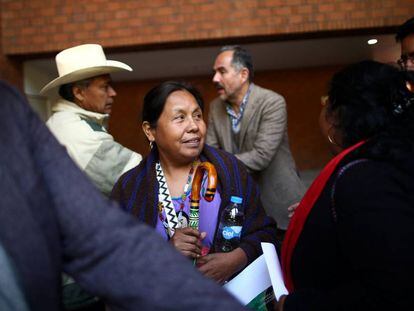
<point x="65" y="105"/>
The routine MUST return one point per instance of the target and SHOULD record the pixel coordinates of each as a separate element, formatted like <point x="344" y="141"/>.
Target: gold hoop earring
<point x="332" y="141"/>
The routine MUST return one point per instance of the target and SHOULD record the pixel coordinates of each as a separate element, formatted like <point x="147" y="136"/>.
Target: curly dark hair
<point x="370" y="101"/>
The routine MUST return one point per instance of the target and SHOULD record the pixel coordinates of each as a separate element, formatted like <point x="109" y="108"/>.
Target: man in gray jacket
<point x="251" y="122"/>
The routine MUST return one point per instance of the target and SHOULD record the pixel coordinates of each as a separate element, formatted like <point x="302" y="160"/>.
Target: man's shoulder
<point x="70" y="126"/>
<point x="265" y="93"/>
<point x="63" y="118"/>
<point x="70" y="119"/>
<point x="266" y="99"/>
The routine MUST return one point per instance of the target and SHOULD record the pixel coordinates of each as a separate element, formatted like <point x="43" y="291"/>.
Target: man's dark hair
<point x="241" y="59"/>
<point x="405" y="30"/>
<point x="66" y="90"/>
<point x="155" y="99"/>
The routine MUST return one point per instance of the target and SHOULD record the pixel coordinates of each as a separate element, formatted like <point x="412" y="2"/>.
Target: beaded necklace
<point x="171" y="221"/>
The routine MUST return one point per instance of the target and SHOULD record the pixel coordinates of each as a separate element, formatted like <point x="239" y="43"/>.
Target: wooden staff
<point x="196" y="187"/>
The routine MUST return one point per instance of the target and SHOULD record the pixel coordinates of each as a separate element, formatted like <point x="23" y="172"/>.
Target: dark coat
<point x="356" y="249"/>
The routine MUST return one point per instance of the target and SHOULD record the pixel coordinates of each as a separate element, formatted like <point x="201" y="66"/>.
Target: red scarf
<point x="302" y="211"/>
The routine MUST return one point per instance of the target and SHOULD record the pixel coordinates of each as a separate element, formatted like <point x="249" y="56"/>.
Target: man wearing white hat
<point x="81" y="113"/>
<point x="79" y="122"/>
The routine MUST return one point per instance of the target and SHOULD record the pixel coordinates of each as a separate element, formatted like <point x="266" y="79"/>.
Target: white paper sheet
<point x="249" y="283"/>
<point x="258" y="276"/>
<point x="275" y="270"/>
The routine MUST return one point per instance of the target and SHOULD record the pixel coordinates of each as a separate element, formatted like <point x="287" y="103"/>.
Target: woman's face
<point x="180" y="130"/>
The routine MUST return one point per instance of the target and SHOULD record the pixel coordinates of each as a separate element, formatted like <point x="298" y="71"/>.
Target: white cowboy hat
<point x="82" y="62"/>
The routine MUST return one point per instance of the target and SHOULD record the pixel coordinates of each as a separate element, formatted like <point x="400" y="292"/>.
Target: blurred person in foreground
<point x="52" y="218"/>
<point x="349" y="245"/>
<point x="173" y="123"/>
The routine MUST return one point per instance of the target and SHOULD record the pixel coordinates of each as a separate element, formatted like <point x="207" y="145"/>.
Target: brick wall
<point x="10" y="70"/>
<point x="38" y="26"/>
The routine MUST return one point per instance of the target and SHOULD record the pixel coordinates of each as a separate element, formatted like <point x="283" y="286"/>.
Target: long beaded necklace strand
<point x="183" y="198"/>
